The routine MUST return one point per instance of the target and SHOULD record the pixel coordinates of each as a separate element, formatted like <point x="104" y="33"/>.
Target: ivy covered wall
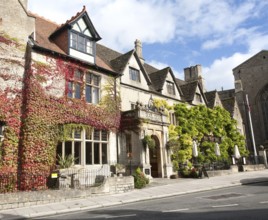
<point x="35" y="112"/>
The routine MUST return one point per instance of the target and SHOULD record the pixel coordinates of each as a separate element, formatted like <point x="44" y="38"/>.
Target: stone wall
<point x="14" y="19"/>
<point x="23" y="199"/>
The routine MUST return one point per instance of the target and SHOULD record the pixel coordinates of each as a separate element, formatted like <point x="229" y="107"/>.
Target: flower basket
<point x="149" y="141"/>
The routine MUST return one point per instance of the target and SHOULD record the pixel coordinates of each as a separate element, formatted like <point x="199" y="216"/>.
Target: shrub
<point x="140" y="180"/>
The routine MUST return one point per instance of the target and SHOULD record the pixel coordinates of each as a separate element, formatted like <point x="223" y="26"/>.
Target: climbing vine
<point x="206" y="126"/>
<point x="40" y="115"/>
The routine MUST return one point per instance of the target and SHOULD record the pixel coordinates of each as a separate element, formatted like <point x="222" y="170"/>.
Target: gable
<point x="170" y="85"/>
<point x="258" y="59"/>
<point x="77" y="37"/>
<point x="133" y="74"/>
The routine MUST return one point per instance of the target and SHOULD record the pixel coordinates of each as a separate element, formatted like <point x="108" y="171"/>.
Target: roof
<point x="158" y="78"/>
<point x="73" y="19"/>
<point x="189" y="90"/>
<point x="224" y="94"/>
<point x="229" y="104"/>
<point x="44" y="29"/>
<point x="106" y="58"/>
<point x="210" y="96"/>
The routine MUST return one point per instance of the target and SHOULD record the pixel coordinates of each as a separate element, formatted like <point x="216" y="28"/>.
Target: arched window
<point x="264" y="107"/>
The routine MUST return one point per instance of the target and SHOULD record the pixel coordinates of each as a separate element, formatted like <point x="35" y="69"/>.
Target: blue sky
<point x="217" y="34"/>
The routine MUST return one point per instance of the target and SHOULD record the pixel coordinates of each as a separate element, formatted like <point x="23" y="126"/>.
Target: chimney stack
<point x="138" y="49"/>
<point x="194" y="73"/>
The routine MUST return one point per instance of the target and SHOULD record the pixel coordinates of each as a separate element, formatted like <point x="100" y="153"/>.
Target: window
<point x="198" y="97"/>
<point x="1" y="131"/>
<point x="88" y="147"/>
<point x="170" y="88"/>
<point x="81" y="43"/>
<point x="172" y="118"/>
<point x="134" y="74"/>
<point x="92" y="88"/>
<point x="75" y="85"/>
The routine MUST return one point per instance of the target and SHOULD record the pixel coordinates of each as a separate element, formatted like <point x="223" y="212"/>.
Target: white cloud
<point x="215" y="24"/>
<point x="220" y="74"/>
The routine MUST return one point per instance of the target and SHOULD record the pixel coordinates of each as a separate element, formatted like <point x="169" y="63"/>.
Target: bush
<point x="140" y="180"/>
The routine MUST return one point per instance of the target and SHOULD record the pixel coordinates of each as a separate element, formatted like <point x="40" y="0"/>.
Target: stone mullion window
<point x="92" y="88"/>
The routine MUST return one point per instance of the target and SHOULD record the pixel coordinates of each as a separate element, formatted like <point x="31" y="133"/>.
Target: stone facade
<point x="251" y="78"/>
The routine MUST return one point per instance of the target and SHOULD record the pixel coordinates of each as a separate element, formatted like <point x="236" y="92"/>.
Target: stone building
<point x="251" y="78"/>
<point x="66" y="83"/>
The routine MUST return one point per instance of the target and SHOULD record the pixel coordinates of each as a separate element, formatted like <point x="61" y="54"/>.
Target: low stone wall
<point x="22" y="199"/>
<point x="233" y="169"/>
<point x="254" y="167"/>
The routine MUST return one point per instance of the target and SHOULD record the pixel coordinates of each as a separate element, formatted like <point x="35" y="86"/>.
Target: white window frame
<point x="83" y="140"/>
<point x="76" y="40"/>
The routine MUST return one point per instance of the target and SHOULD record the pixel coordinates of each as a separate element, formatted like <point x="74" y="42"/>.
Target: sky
<point x="216" y="34"/>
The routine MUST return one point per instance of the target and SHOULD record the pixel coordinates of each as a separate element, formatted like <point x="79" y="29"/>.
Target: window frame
<point x="134" y="75"/>
<point x="77" y="86"/>
<point x="94" y="88"/>
<point x="170" y="88"/>
<point x="86" y="139"/>
<point x="87" y="45"/>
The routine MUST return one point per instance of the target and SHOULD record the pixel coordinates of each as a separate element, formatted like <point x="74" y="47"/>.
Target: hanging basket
<point x="149" y="141"/>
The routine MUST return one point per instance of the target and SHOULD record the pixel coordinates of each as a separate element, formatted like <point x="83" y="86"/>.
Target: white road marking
<point x="222" y="206"/>
<point x="176" y="210"/>
<point x="263" y="202"/>
<point x="121" y="216"/>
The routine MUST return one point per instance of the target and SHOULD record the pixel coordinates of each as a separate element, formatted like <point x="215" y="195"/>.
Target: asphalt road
<point x="241" y="202"/>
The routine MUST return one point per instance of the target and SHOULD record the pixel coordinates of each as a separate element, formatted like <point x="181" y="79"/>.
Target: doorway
<point x="155" y="158"/>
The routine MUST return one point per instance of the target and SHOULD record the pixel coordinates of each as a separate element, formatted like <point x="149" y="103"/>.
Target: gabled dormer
<point x="132" y="71"/>
<point x="193" y="93"/>
<point x="77" y="37"/>
<point x="164" y="82"/>
<point x="213" y="99"/>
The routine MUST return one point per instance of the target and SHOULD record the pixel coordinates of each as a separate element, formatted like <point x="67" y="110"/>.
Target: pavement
<point x="158" y="188"/>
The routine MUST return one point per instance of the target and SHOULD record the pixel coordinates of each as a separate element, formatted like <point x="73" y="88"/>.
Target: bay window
<point x="87" y="146"/>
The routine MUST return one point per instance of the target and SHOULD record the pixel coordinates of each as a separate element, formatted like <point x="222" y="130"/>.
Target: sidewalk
<point x="159" y="188"/>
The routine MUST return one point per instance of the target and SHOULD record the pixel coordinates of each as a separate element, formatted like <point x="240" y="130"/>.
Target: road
<point x="240" y="202"/>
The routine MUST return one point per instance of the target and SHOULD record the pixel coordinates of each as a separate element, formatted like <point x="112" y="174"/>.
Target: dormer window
<point x="134" y="74"/>
<point x="198" y="97"/>
<point x="81" y="43"/>
<point x="170" y="88"/>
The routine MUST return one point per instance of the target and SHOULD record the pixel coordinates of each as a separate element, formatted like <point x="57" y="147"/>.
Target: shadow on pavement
<point x="261" y="181"/>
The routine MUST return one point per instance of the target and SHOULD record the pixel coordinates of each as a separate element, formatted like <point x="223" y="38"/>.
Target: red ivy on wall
<point x="34" y="120"/>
